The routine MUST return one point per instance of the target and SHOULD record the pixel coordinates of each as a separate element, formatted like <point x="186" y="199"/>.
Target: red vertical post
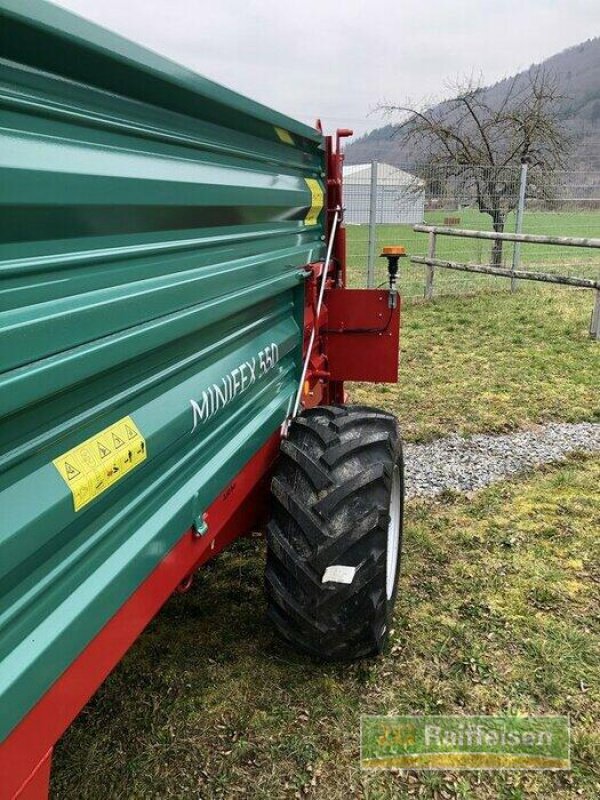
<point x="335" y="180"/>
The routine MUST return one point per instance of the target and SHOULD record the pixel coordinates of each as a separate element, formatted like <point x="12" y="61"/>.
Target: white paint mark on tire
<point x="338" y="574"/>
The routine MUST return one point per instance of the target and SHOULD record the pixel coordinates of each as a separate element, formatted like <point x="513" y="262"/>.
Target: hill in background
<point x="578" y="71"/>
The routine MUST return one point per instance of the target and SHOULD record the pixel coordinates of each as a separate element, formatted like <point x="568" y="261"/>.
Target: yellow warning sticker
<point x="284" y="135"/>
<point x="317" y="199"/>
<point x="98" y="463"/>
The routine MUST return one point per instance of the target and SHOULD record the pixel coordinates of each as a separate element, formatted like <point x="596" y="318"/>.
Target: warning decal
<point x="317" y="199"/>
<point x="284" y="136"/>
<point x="96" y="464"/>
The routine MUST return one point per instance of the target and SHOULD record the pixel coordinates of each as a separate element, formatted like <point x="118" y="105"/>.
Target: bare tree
<point x="480" y="136"/>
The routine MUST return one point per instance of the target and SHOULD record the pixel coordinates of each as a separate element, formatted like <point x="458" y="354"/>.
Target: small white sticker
<point x="338" y="574"/>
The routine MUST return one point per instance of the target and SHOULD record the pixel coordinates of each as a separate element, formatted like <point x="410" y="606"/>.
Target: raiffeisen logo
<point x="456" y="742"/>
<point x="234" y="383"/>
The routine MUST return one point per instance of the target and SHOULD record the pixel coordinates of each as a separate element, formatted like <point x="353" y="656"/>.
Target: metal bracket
<point x="200" y="526"/>
<point x="200" y="520"/>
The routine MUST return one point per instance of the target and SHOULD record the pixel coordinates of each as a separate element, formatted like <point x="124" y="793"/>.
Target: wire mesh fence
<point x="383" y="203"/>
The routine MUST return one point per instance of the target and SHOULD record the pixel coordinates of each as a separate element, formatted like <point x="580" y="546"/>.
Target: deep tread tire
<point x="331" y="494"/>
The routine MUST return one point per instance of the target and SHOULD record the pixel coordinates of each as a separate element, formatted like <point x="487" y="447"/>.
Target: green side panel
<point x="152" y="240"/>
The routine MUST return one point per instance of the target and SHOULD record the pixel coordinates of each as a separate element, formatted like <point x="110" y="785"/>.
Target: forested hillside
<point x="578" y="71"/>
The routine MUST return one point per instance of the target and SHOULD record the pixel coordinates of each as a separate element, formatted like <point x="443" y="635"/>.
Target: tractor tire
<point x="335" y="536"/>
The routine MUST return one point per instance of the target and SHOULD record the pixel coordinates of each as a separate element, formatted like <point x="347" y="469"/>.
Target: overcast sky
<point x="339" y="60"/>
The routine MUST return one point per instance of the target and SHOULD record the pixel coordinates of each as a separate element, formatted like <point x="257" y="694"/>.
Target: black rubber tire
<point x="331" y="495"/>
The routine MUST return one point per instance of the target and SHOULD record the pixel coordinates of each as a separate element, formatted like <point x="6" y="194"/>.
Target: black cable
<point x="363" y="330"/>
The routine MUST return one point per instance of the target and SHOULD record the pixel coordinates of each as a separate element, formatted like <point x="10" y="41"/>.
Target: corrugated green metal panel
<point x="152" y="239"/>
<point x="99" y="58"/>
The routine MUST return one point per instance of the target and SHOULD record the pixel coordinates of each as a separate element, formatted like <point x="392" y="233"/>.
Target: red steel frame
<point x="341" y="350"/>
<point x="25" y="756"/>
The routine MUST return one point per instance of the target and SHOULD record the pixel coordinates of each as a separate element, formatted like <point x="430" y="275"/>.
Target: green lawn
<point x="580" y="262"/>
<point x="497" y="610"/>
<point x="493" y="362"/>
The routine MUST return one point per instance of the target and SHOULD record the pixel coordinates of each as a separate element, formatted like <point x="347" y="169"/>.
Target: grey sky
<point x="340" y="60"/>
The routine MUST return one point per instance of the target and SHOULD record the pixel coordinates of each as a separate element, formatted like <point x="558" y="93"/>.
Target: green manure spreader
<point x="175" y="334"/>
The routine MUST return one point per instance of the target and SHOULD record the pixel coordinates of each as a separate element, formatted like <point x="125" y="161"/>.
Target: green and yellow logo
<point x="455" y="742"/>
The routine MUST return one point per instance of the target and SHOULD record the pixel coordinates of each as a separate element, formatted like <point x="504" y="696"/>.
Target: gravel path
<point x="466" y="464"/>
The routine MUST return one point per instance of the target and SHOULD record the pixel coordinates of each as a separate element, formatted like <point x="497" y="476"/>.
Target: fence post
<point x="430" y="267"/>
<point x="372" y="227"/>
<point x="516" y="259"/>
<point x="595" y="326"/>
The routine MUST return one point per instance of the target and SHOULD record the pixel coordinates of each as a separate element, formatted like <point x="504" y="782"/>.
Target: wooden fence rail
<point x="562" y="241"/>
<point x="431" y="262"/>
<point x="526" y="275"/>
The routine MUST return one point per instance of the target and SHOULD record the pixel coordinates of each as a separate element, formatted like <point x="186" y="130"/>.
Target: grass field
<point x="497" y="610"/>
<point x="493" y="363"/>
<point x="584" y="263"/>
